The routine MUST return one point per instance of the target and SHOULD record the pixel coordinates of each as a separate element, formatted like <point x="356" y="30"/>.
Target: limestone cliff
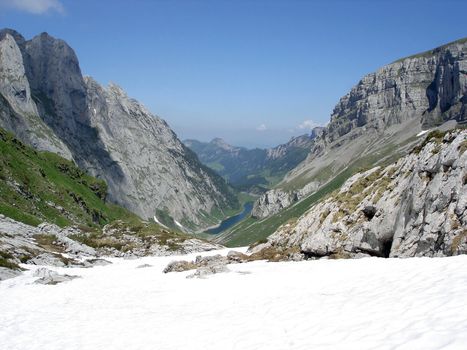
<point x="413" y="207"/>
<point x="380" y="117"/>
<point x="47" y="103"/>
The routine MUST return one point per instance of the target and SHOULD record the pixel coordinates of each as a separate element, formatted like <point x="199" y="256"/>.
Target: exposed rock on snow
<point x="47" y="276"/>
<point x="6" y="273"/>
<point x="414" y="207"/>
<point x="211" y="264"/>
<point x="361" y="304"/>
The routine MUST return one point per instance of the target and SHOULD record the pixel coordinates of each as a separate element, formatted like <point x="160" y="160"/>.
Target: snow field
<point x="371" y="303"/>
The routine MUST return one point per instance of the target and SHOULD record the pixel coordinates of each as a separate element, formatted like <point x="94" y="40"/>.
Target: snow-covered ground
<point x="418" y="303"/>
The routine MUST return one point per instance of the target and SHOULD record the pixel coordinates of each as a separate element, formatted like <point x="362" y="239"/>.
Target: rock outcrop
<point x="18" y="111"/>
<point x="414" y="207"/>
<point x="273" y="201"/>
<point x="48" y="244"/>
<point x="379" y="118"/>
<point x="47" y="103"/>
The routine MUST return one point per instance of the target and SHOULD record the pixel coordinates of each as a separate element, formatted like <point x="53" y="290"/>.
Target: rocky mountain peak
<point x="16" y="36"/>
<point x="107" y="133"/>
<point x="222" y="144"/>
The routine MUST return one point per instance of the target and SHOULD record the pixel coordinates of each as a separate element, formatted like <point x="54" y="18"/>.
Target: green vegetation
<point x="251" y="230"/>
<point x="435" y="135"/>
<point x="248" y="169"/>
<point x="5" y="261"/>
<point x="148" y="232"/>
<point x="41" y="186"/>
<point x="463" y="147"/>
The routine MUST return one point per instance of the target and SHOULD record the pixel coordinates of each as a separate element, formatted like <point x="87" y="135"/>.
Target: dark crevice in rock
<point x="386" y="247"/>
<point x="313" y="255"/>
<point x="369" y="212"/>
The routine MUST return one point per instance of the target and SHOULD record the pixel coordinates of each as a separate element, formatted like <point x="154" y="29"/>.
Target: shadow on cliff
<point x="59" y="91"/>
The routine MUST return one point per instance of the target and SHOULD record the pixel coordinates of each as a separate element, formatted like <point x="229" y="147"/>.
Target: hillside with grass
<point x="38" y="187"/>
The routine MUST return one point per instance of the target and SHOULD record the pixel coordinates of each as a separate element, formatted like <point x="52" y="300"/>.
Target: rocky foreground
<point x="50" y="245"/>
<point x="414" y="207"/>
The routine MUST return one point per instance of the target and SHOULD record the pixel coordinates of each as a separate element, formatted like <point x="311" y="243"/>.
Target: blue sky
<point x="252" y="72"/>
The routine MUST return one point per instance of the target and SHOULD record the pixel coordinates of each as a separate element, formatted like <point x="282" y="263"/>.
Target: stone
<point x="50" y="277"/>
<point x="204" y="271"/>
<point x="8" y="273"/>
<point x="179" y="266"/>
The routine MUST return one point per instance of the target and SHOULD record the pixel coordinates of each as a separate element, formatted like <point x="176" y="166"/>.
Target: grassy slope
<point x="41" y="186"/>
<point x="252" y="230"/>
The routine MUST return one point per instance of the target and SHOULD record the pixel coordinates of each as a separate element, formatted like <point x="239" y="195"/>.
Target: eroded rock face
<point x="380" y="116"/>
<point x="272" y="202"/>
<point x="18" y="110"/>
<point x="158" y="170"/>
<point x="414" y="207"/>
<point x="47" y="103"/>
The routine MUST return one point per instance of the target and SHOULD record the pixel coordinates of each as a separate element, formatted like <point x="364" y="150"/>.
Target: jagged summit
<point x="114" y="137"/>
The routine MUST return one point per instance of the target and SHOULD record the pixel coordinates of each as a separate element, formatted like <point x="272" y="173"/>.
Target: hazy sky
<point x="252" y="72"/>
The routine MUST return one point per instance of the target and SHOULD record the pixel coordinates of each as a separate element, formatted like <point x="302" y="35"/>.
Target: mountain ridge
<point x="145" y="165"/>
<point x="252" y="169"/>
<point x="379" y="120"/>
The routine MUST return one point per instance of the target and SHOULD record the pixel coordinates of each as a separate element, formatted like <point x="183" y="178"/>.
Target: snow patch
<point x="156" y="220"/>
<point x="423" y="132"/>
<point x="179" y="224"/>
<point x="371" y="303"/>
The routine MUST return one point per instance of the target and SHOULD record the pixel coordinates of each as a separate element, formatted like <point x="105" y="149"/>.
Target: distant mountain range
<point x="253" y="170"/>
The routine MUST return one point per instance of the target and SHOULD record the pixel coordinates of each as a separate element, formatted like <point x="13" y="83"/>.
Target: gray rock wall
<point x="414" y="207"/>
<point x="381" y="115"/>
<point x="47" y="103"/>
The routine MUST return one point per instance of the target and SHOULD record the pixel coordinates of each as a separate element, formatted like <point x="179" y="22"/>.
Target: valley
<point x="121" y="229"/>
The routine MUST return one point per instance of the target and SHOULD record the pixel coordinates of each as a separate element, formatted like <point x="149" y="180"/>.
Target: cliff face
<point x="379" y="118"/>
<point x="162" y="172"/>
<point x="431" y="87"/>
<point x="414" y="207"/>
<point x="106" y="133"/>
<point x="18" y="111"/>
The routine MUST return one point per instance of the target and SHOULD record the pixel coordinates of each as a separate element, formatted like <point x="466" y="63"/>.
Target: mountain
<point x="381" y="119"/>
<point x="416" y="206"/>
<point x="252" y="169"/>
<point x="47" y="103"/>
<point x="53" y="213"/>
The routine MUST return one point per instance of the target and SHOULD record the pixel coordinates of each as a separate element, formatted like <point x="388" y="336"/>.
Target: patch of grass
<point x="457" y="241"/>
<point x="433" y="136"/>
<point x="48" y="242"/>
<point x="463" y="147"/>
<point x="42" y="186"/>
<point x="149" y="233"/>
<point x="251" y="230"/>
<point x="5" y="261"/>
